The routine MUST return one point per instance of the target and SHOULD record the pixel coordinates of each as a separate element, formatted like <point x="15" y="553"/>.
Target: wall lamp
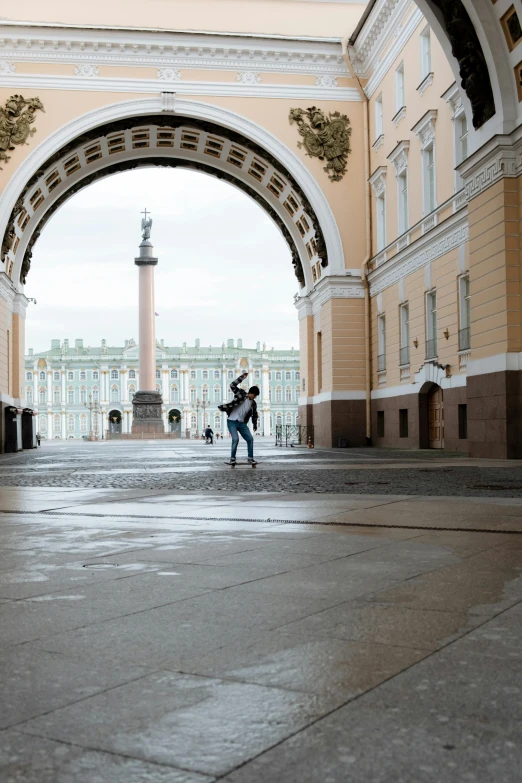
<point x="416" y="343"/>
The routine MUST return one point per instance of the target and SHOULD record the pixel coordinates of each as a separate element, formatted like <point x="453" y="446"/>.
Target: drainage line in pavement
<point x="50" y="512"/>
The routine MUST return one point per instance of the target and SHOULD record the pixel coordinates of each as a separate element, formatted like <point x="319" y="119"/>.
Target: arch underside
<point x="172" y="141"/>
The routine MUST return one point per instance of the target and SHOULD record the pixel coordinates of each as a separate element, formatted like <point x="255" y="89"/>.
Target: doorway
<point x="175" y="422"/>
<point x="435" y="419"/>
<point x="115" y="422"/>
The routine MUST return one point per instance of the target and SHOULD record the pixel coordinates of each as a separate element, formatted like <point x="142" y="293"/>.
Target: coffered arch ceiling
<point x="168" y="139"/>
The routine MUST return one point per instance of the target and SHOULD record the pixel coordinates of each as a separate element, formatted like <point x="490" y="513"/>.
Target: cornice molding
<point x="157" y="48"/>
<point x="499" y="158"/>
<point x="240" y="89"/>
<point x="20" y="305"/>
<point x="378" y="180"/>
<point x="7" y="291"/>
<point x="443" y="238"/>
<point x="424" y="129"/>
<point x="399" y="156"/>
<point x="333" y="287"/>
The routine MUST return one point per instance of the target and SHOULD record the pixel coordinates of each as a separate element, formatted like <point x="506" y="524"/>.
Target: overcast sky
<point x="224" y="269"/>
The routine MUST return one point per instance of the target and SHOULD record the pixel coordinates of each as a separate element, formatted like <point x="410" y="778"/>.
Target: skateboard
<point x="250" y="464"/>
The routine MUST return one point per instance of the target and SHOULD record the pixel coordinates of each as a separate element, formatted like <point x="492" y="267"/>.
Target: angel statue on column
<point x="146" y="225"/>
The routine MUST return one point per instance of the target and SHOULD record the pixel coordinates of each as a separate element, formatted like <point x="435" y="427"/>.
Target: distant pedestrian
<point x="242" y="408"/>
<point x="209" y="436"/>
<point x="38" y="438"/>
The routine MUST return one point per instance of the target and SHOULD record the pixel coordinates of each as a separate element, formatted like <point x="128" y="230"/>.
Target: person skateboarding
<point x="209" y="435"/>
<point x="239" y="411"/>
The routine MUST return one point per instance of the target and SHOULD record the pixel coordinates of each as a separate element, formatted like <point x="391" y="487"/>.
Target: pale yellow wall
<point x="6" y="326"/>
<point x="416" y="107"/>
<point x="342" y="327"/>
<point x="18" y="361"/>
<point x="284" y="17"/>
<point x="306" y="349"/>
<point x="494" y="224"/>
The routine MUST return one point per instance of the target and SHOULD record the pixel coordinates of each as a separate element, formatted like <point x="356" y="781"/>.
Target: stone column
<point x="147" y="401"/>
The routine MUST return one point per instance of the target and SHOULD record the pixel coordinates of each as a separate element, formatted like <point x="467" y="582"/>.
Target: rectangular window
<point x="381" y="221"/>
<point x="461" y="146"/>
<point x="425" y="53"/>
<point x="56" y="396"/>
<point x="431" y="325"/>
<point x="378" y="117"/>
<point x="464" y="313"/>
<point x="402" y="183"/>
<point x="404" y="326"/>
<point x="70" y="397"/>
<point x="381" y="337"/>
<point x="430" y="199"/>
<point x="399" y="87"/>
<point x="403" y="422"/>
<point x="463" y="422"/>
<point x="380" y="424"/>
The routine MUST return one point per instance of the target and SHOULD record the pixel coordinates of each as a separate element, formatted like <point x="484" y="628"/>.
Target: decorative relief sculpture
<point x="326" y="81"/>
<point x="16" y="118"/>
<point x="326" y="138"/>
<point x="248" y="77"/>
<point x="6" y="69"/>
<point x="87" y="70"/>
<point x="169" y="74"/>
<point x="466" y="48"/>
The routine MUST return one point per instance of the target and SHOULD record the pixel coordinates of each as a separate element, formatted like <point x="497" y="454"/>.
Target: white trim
<point x="498" y="158"/>
<point x="333" y="396"/>
<point x="329" y="288"/>
<point x="428" y="372"/>
<point x="20" y="305"/>
<point x="443" y="238"/>
<point x="501" y="362"/>
<point x="34" y="42"/>
<point x="147" y="86"/>
<point x="399" y="156"/>
<point x="7" y="290"/>
<point x="190" y="108"/>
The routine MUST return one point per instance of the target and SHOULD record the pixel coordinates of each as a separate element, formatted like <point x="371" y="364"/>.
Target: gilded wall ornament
<point x="16" y="118"/>
<point x="324" y="137"/>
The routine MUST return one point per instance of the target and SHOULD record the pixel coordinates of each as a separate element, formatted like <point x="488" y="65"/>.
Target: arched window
<point x="95" y="396"/>
<point x="83" y="423"/>
<point x="279" y="394"/>
<point x="270" y="394"/>
<point x="269" y="376"/>
<point x="70" y="423"/>
<point x="132" y="391"/>
<point x="43" y="424"/>
<point x="279" y="376"/>
<point x="29" y="376"/>
<point x="29" y="395"/>
<point x="230" y="375"/>
<point x="174" y="394"/>
<point x="56" y="422"/>
<point x="271" y="423"/>
<point x="193" y="421"/>
<point x="288" y="394"/>
<point x="205" y="419"/>
<point x="132" y="374"/>
<point x="70" y="376"/>
<point x="174" y="375"/>
<point x="204" y="393"/>
<point x="70" y="396"/>
<point x="158" y="375"/>
<point x="115" y="394"/>
<point x="288" y="418"/>
<point x="193" y="394"/>
<point x="83" y="375"/>
<point x="83" y="394"/>
<point x="257" y="375"/>
<point x="42" y="376"/>
<point x="298" y="376"/>
<point x="204" y="375"/>
<point x="56" y="395"/>
<point x="42" y="397"/>
<point x="192" y="375"/>
<point x="217" y="394"/>
<point x="95" y="376"/>
<point x="279" y="419"/>
<point x="217" y="422"/>
<point x="56" y="376"/>
<point x="114" y="375"/>
<point x="217" y="375"/>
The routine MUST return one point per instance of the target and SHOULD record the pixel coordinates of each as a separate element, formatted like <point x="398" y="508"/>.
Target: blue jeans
<point x="237" y="428"/>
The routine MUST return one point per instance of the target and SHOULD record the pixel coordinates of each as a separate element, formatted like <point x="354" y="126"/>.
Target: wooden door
<point x="436" y="419"/>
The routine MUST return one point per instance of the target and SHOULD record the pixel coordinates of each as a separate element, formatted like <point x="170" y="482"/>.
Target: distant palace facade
<point x="62" y="382"/>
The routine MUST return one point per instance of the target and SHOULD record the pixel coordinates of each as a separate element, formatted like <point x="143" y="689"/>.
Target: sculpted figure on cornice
<point x="16" y="118"/>
<point x="326" y="138"/>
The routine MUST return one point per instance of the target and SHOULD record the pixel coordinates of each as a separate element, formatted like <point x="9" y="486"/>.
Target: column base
<point x="146" y="407"/>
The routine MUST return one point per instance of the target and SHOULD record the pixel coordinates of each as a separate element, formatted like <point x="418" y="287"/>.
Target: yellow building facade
<point x="385" y="152"/>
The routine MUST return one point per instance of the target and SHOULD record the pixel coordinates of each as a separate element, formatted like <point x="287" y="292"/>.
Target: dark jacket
<point x="239" y="397"/>
<point x="208" y="432"/>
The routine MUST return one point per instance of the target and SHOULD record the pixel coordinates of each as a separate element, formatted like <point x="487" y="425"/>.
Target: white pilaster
<point x="64" y="424"/>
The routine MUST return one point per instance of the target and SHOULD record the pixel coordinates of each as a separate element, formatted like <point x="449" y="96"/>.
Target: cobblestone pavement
<point x="159" y="636"/>
<point x="194" y="467"/>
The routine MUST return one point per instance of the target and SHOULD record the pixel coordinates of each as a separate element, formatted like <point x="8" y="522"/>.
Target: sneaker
<point x="252" y="461"/>
<point x="232" y="460"/>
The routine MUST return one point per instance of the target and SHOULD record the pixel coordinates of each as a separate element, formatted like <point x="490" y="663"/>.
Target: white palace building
<point x="79" y="389"/>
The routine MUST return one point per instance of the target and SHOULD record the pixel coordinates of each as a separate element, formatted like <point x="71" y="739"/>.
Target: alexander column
<point x="147" y="401"/>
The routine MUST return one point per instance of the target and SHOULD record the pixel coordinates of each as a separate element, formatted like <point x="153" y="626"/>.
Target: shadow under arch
<point x="173" y="139"/>
<point x="427" y="388"/>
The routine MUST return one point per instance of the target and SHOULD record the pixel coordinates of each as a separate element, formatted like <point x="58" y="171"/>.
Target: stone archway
<point x="431" y="416"/>
<point x="174" y="417"/>
<point x="131" y="136"/>
<point x="115" y="422"/>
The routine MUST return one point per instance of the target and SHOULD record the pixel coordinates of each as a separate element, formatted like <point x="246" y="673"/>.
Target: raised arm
<point x="235" y="384"/>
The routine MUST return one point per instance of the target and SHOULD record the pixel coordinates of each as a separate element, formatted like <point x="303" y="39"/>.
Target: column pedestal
<point x="146" y="407"/>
